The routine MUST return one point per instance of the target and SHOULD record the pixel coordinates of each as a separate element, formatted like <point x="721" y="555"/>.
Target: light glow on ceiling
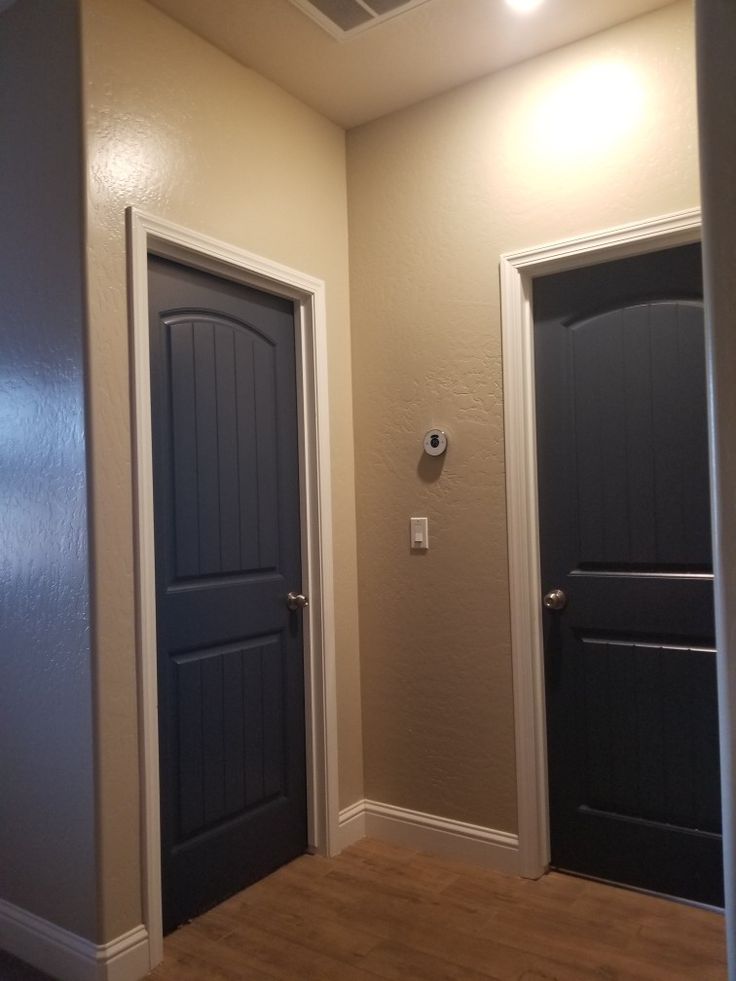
<point x="524" y="6"/>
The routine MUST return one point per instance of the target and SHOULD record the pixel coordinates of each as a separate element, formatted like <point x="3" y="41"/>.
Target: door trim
<point x="517" y="271"/>
<point x="148" y="234"/>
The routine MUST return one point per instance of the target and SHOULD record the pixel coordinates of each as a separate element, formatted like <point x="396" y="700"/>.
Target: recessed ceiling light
<point x="524" y="6"/>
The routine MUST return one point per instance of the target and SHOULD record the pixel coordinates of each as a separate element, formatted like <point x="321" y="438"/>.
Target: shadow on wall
<point x="12" y="969"/>
<point x="432" y="461"/>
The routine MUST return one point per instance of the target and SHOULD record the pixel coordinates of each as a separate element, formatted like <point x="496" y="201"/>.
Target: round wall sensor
<point x="435" y="442"/>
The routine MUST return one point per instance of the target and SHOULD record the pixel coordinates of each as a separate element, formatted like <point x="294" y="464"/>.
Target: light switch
<point x="419" y="533"/>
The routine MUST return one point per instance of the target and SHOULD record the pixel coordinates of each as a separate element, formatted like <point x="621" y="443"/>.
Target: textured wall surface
<point x="47" y="832"/>
<point x="178" y="129"/>
<point x="593" y="135"/>
<point x="716" y="85"/>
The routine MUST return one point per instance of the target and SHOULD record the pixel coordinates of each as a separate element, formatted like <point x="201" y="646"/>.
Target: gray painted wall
<point x="716" y="25"/>
<point x="47" y="814"/>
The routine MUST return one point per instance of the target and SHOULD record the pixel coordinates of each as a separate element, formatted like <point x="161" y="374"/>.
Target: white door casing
<point x="518" y="270"/>
<point x="147" y="234"/>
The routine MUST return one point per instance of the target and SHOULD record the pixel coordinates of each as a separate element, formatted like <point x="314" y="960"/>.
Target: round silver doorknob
<point x="555" y="600"/>
<point x="297" y="601"/>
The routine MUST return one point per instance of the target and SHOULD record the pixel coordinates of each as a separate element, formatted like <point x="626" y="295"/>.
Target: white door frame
<point x="150" y="235"/>
<point x="518" y="269"/>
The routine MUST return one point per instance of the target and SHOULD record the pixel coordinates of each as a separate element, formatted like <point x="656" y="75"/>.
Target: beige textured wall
<point x="179" y="129"/>
<point x="47" y="787"/>
<point x="593" y="135"/>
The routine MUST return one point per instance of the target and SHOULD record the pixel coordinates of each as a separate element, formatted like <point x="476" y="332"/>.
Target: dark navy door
<point x="625" y="535"/>
<point x="230" y="671"/>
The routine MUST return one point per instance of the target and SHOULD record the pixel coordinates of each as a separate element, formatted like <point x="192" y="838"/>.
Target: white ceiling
<point x="427" y="50"/>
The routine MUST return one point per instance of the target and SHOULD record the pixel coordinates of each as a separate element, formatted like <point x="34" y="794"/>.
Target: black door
<point x="230" y="668"/>
<point x="625" y="535"/>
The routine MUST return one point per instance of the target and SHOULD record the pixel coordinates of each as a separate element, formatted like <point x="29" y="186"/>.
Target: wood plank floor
<point x="378" y="911"/>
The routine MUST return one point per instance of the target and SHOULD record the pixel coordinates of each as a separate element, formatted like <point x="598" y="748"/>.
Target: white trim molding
<point x="457" y="840"/>
<point x="65" y="955"/>
<point x="518" y="270"/>
<point x="150" y="235"/>
<point x="352" y="824"/>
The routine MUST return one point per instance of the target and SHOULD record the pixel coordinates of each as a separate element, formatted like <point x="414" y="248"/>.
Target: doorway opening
<point x="518" y="272"/>
<point x="150" y="236"/>
<point x="627" y="575"/>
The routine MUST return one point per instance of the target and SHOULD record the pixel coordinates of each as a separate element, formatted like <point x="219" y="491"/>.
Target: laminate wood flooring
<point x="382" y="912"/>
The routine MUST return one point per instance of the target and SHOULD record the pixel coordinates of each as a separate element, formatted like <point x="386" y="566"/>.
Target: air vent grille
<point x="345" y="18"/>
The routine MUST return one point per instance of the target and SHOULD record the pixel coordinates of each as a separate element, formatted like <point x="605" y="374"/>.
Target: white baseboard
<point x="351" y="827"/>
<point x="68" y="957"/>
<point x="125" y="959"/>
<point x="486" y="847"/>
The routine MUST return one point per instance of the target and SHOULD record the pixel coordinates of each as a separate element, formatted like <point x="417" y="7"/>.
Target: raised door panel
<point x="223" y="407"/>
<point x="230" y="723"/>
<point x="640" y="449"/>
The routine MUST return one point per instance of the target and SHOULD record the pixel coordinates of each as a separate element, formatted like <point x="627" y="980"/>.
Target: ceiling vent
<point x="344" y="19"/>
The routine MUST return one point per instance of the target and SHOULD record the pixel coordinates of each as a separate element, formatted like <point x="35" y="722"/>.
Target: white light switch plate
<point x="419" y="533"/>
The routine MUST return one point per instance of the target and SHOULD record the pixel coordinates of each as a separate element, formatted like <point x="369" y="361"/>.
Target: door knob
<point x="297" y="601"/>
<point x="555" y="600"/>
